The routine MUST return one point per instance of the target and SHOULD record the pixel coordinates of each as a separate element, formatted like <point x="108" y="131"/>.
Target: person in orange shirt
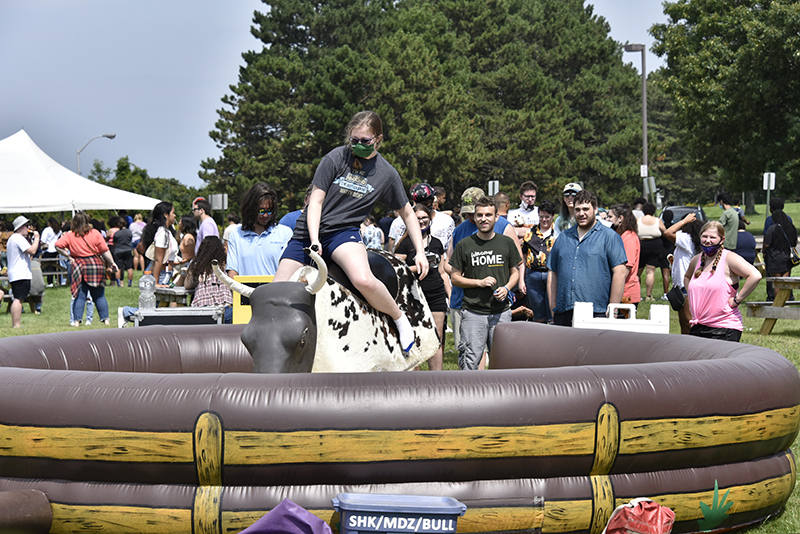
<point x="87" y="252"/>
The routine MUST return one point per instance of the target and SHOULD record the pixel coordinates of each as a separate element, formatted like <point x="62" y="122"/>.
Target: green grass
<point x="785" y="339"/>
<point x="55" y="311"/>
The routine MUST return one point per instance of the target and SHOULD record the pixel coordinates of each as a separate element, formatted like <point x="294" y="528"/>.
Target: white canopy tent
<point x="32" y="182"/>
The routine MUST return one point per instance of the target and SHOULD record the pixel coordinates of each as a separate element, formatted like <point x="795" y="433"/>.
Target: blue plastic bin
<point x="368" y="512"/>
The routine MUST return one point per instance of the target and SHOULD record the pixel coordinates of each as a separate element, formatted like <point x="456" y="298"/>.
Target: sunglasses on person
<point x="363" y="141"/>
<point x="263" y="212"/>
<point x="570" y="193"/>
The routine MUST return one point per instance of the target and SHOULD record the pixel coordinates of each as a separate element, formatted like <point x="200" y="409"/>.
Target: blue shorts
<point x="330" y="242"/>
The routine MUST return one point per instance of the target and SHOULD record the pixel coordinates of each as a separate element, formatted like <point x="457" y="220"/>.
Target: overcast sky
<point x="153" y="72"/>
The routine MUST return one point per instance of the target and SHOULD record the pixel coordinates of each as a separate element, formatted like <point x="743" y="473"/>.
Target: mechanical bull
<point x="312" y="323"/>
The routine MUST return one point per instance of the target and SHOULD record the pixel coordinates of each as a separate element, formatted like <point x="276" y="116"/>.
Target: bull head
<point x="282" y="333"/>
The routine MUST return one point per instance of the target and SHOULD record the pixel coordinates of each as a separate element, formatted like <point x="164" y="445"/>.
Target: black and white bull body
<point x="313" y="323"/>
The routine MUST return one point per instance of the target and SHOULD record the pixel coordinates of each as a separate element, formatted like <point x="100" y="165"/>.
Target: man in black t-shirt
<point x="485" y="266"/>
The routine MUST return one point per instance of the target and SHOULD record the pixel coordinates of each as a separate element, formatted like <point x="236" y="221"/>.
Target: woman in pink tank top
<point x="712" y="281"/>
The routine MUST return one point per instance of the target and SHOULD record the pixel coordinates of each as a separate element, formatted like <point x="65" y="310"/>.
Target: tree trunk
<point x="750" y="203"/>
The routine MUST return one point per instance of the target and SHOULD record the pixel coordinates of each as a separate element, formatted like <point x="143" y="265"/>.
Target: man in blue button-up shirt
<point x="586" y="264"/>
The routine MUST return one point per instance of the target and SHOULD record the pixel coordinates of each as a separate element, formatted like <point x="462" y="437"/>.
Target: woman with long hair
<point x="209" y="290"/>
<point x="536" y="246"/>
<point x="188" y="229"/>
<point x="623" y="221"/>
<point x="433" y="286"/>
<point x="87" y="251"/>
<point x="712" y="283"/>
<point x="255" y="247"/>
<point x="348" y="182"/>
<point x="161" y="235"/>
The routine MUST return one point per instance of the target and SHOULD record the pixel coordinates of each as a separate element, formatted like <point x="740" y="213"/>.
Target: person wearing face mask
<point x="433" y="286"/>
<point x="442" y="224"/>
<point x="712" y="282"/>
<point x="566" y="217"/>
<point x="623" y="221"/>
<point x="348" y="182"/>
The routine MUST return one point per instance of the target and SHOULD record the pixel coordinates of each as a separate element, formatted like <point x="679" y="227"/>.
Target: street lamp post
<point x="109" y="136"/>
<point x="645" y="163"/>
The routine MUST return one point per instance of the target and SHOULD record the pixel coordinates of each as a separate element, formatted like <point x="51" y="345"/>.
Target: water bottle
<point x="147" y="292"/>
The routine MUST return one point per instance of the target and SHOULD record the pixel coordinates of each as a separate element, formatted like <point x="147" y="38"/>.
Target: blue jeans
<point x="536" y="283"/>
<point x="89" y="311"/>
<point x="98" y="296"/>
<point x="164" y="276"/>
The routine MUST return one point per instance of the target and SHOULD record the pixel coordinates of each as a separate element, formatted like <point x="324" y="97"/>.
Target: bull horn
<point x="244" y="290"/>
<point x="316" y="285"/>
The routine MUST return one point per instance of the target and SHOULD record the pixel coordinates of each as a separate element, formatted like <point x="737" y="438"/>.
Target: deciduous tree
<point x="733" y="71"/>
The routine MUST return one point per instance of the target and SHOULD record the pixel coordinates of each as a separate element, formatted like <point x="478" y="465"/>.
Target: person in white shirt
<point x="50" y="235"/>
<point x="21" y="246"/>
<point x="527" y="215"/>
<point x="234" y="222"/>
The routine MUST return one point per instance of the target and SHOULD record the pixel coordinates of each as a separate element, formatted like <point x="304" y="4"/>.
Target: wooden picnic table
<point x="772" y="311"/>
<point x="179" y="294"/>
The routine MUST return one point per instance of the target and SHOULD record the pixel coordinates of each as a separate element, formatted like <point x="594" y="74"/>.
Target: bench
<point x="766" y="310"/>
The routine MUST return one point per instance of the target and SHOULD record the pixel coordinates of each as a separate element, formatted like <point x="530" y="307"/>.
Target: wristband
<point x="736" y="301"/>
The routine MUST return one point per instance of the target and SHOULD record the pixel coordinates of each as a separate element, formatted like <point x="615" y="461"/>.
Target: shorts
<point x="437" y="300"/>
<point x="330" y="242"/>
<point x="725" y="334"/>
<point x="124" y="260"/>
<point x="651" y="253"/>
<point x="21" y="289"/>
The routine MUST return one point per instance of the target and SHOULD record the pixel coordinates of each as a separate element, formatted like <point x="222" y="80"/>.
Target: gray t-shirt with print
<point x="351" y="194"/>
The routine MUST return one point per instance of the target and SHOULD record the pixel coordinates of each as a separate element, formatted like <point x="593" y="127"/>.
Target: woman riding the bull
<point x="348" y="182"/>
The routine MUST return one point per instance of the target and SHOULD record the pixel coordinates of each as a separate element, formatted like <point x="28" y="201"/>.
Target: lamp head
<point x="110" y="136"/>
<point x="633" y="47"/>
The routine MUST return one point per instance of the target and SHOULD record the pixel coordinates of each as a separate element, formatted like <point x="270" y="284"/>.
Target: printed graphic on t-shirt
<point x="353" y="185"/>
<point x="486" y="258"/>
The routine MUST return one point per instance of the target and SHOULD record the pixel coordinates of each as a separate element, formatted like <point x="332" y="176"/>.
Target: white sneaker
<point x="664" y="297"/>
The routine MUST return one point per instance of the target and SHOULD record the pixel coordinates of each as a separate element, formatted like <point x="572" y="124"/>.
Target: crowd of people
<point x="488" y="262"/>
